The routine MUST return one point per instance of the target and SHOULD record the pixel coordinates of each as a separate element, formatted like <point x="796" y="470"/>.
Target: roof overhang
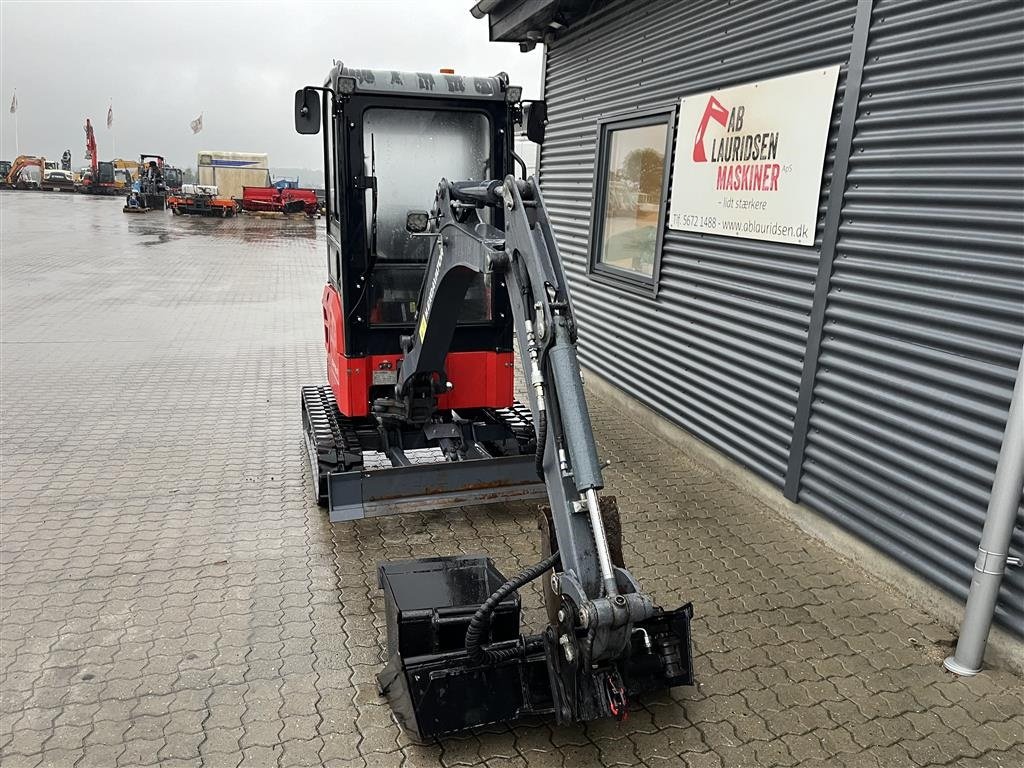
<point x="529" y="22"/>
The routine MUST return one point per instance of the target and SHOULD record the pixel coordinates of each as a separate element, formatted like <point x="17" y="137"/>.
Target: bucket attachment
<point x="435" y="689"/>
<point x="428" y="680"/>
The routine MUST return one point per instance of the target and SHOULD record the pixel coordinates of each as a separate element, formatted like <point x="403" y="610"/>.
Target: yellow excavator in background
<point x="125" y="172"/>
<point x="14" y="176"/>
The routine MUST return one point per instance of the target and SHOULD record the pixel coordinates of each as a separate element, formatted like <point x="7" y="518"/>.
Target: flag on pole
<point x="14" y="103"/>
<point x="197" y="124"/>
<point x="110" y="116"/>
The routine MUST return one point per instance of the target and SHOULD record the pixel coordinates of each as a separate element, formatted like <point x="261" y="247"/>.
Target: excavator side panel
<point x="334" y="343"/>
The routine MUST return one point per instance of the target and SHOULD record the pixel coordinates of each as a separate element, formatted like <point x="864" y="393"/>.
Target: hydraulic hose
<point x="481" y="620"/>
<point x="542" y="439"/>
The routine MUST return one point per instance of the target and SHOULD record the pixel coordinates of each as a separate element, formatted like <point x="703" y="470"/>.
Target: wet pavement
<point x="172" y="596"/>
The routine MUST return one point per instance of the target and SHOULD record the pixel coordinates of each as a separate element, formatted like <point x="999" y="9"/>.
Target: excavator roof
<point x="387" y="81"/>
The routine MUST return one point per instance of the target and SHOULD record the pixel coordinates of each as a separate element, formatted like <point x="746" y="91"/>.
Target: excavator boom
<point x="90" y="147"/>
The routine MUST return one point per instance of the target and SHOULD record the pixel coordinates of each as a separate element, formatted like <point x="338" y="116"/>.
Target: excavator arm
<point x="607" y="640"/>
<point x="522" y="259"/>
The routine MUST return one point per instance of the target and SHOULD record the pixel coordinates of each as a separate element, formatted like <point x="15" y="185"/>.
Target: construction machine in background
<point x="58" y="180"/>
<point x="420" y="313"/>
<point x="173" y="179"/>
<point x="152" y="186"/>
<point x="17" y="178"/>
<point x="100" y="178"/>
<point x="131" y="166"/>
<point x="157" y="179"/>
<point x="122" y="180"/>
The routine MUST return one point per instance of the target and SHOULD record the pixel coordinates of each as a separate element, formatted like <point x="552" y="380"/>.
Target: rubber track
<point x="335" y="438"/>
<point x="337" y="448"/>
<point x="337" y="443"/>
<point x="519" y="419"/>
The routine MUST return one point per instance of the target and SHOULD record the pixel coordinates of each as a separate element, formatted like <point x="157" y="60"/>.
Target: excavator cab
<point x="105" y="173"/>
<point x="172" y="178"/>
<point x="152" y="184"/>
<point x="388" y="138"/>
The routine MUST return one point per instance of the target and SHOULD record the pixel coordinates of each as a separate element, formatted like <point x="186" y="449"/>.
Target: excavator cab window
<point x="105" y="173"/>
<point x="408" y="151"/>
<point x="172" y="177"/>
<point x="395" y="292"/>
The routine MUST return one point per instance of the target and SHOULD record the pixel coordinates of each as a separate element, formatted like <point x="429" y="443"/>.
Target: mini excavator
<point x="420" y="313"/>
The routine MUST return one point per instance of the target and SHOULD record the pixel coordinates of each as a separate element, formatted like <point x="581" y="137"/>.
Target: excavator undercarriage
<point x="360" y="470"/>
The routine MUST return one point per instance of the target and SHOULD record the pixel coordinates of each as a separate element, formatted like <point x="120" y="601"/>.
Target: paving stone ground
<point x="171" y="595"/>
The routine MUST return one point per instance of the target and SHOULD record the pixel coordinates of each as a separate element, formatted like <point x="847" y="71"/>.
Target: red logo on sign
<point x="713" y="111"/>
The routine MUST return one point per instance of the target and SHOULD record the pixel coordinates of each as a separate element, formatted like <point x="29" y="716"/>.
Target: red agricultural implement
<point x="274" y="200"/>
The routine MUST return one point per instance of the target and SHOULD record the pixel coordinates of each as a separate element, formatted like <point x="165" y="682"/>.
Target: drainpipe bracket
<point x="992" y="563"/>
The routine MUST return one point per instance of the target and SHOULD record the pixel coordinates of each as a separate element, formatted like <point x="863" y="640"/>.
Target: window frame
<point x="334" y="122"/>
<point x="606" y="126"/>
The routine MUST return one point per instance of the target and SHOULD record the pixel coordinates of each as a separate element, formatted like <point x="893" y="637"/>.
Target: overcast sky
<point x="239" y="64"/>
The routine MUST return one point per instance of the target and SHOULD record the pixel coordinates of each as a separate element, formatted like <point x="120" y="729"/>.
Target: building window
<point x="630" y="187"/>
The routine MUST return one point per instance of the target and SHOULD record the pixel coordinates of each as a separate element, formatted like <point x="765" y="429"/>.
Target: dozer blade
<point x="404" y="482"/>
<point x="439" y="485"/>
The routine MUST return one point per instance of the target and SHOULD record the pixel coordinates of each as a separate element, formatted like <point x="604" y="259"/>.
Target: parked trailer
<point x="231" y="171"/>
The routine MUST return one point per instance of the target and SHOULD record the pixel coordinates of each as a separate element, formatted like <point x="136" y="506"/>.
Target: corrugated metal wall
<point x="720" y="351"/>
<point x="924" y="311"/>
<point x="923" y="325"/>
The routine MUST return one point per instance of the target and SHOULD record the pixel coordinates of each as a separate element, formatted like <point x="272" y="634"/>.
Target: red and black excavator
<point x="100" y="178"/>
<point x="420" y="312"/>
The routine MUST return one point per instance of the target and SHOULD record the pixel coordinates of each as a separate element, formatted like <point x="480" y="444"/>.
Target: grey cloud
<point x="161" y="64"/>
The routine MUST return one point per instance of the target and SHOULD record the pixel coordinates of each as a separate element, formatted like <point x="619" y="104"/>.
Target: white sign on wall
<point x="748" y="159"/>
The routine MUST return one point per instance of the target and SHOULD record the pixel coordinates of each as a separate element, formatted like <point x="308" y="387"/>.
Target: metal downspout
<point x="994" y="548"/>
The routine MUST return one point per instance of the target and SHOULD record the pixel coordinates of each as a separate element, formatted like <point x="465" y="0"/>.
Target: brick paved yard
<point x="172" y="596"/>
